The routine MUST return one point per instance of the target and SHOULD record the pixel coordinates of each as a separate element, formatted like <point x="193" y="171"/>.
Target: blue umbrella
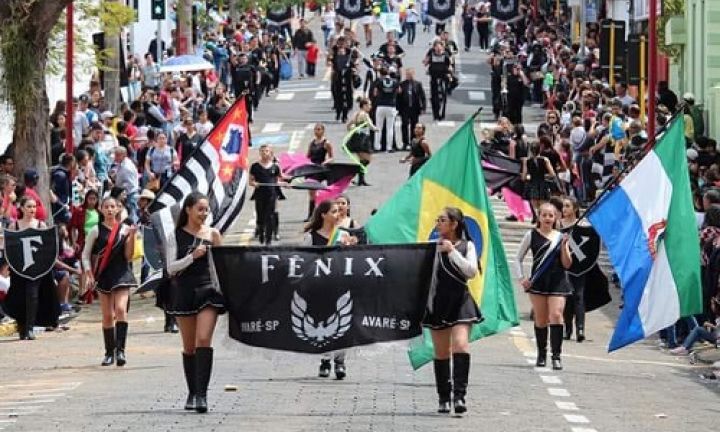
<point x="186" y="63"/>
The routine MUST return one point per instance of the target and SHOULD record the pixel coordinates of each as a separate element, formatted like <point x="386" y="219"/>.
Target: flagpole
<point x="613" y="181"/>
<point x="477" y="113"/>
<point x="196" y="149"/>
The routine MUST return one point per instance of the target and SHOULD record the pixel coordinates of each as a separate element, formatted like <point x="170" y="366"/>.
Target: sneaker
<point x="66" y="307"/>
<point x="679" y="351"/>
<point x="325" y="368"/>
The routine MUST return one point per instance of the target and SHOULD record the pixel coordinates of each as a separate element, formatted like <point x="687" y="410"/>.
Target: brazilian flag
<point x="452" y="178"/>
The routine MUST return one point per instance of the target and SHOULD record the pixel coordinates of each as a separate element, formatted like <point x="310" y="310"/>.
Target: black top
<point x="317" y="153"/>
<point x="536" y="168"/>
<point x="256" y="56"/>
<point x="318" y="239"/>
<point x="243" y="78"/>
<point x="416" y="149"/>
<point x="263" y="174"/>
<point x="387" y="91"/>
<point x="197" y="273"/>
<point x="439" y="63"/>
<point x="186" y="144"/>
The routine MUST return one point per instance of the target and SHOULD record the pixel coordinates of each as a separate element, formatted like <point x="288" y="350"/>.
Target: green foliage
<point x="671" y="8"/>
<point x="17" y="71"/>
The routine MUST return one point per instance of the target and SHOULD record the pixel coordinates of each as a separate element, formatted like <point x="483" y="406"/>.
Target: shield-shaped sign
<point x="585" y="248"/>
<point x="441" y="9"/>
<point x="31" y="253"/>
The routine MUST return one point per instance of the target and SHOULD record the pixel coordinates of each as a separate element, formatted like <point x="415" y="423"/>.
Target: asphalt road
<point x="56" y="383"/>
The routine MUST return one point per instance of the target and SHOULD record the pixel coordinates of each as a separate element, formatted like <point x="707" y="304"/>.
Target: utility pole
<point x="184" y="27"/>
<point x="652" y="66"/>
<point x="112" y="72"/>
<point x="69" y="77"/>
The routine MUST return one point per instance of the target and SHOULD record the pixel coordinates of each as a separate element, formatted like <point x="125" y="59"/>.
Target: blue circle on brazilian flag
<point x="473" y="229"/>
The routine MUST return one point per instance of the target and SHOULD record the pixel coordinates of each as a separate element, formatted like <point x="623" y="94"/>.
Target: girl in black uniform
<point x="265" y="171"/>
<point x="361" y="141"/>
<point x="451" y="309"/>
<point x="320" y="152"/>
<point x="575" y="305"/>
<point x="319" y="232"/>
<point x="342" y="60"/>
<point x="547" y="285"/>
<point x="419" y="150"/>
<point x="107" y="256"/>
<point x="193" y="297"/>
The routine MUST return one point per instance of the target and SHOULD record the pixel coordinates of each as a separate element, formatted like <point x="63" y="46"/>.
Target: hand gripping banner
<point x="321" y="299"/>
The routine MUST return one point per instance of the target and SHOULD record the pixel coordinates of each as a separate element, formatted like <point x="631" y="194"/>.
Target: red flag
<point x="231" y="139"/>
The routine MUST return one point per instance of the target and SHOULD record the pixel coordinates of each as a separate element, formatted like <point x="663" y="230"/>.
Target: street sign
<point x="616" y="30"/>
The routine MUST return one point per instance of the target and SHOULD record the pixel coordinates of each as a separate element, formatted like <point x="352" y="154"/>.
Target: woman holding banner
<point x="547" y="285"/>
<point x="322" y="230"/>
<point x="451" y="310"/>
<point x="107" y="255"/>
<point x="193" y="297"/>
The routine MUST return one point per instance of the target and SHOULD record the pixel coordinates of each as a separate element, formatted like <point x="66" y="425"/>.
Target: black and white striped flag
<point x="216" y="168"/>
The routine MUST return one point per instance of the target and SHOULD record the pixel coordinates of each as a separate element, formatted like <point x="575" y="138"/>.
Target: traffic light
<point x="158" y="9"/>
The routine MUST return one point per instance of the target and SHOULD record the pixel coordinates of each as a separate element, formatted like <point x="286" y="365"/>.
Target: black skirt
<point x="185" y="297"/>
<point x="359" y="142"/>
<point x="451" y="303"/>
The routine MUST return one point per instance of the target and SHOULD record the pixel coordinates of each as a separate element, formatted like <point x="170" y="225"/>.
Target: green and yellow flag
<point x="452" y="177"/>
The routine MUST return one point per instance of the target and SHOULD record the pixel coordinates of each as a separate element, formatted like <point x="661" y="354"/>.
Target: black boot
<point x="109" y="336"/>
<point x="325" y="368"/>
<point x="189" y="368"/>
<point x="461" y="371"/>
<point x="580" y="334"/>
<point x="443" y="384"/>
<point x="568" y="313"/>
<point x="361" y="174"/>
<point x="541" y="337"/>
<point x="556" y="340"/>
<point x="203" y="370"/>
<point x="170" y="324"/>
<point x="340" y="369"/>
<point x="21" y="332"/>
<point x="121" y="329"/>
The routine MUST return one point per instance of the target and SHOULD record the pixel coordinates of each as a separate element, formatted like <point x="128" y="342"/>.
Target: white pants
<point x="382" y="114"/>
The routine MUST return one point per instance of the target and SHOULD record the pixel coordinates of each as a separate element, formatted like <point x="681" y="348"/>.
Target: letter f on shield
<point x="28" y="250"/>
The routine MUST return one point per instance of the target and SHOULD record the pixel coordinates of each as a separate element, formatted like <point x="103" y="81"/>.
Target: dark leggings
<point x="265" y="210"/>
<point x="575" y="304"/>
<point x="410" y="30"/>
<point x="32" y="297"/>
<point x="468" y="33"/>
<point x="484" y="32"/>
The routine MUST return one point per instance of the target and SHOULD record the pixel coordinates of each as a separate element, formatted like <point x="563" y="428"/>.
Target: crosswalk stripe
<point x="468" y="77"/>
<point x="446" y="123"/>
<point x="285" y="96"/>
<point x="323" y="95"/>
<point x="271" y="127"/>
<point x="476" y="95"/>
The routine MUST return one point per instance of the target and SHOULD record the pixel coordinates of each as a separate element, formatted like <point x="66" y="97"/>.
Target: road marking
<point x="550" y="379"/>
<point x="72" y="384"/>
<point x="468" y="77"/>
<point x="446" y="123"/>
<point x="530" y="361"/>
<point x="285" y="96"/>
<point x="271" y="127"/>
<point x="323" y="95"/>
<point x="576" y="418"/>
<point x="13" y="403"/>
<point x="558" y="392"/>
<point x="582" y="429"/>
<point x="568" y="406"/>
<point x="476" y="95"/>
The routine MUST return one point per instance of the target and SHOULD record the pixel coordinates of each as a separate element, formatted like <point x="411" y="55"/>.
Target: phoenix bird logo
<point x="321" y="333"/>
<point x="352" y="6"/>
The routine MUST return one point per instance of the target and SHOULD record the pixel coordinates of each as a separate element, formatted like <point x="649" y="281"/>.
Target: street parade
<point x="386" y="215"/>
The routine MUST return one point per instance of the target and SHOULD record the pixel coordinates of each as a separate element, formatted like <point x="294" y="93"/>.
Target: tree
<point x="25" y="30"/>
<point x="184" y="42"/>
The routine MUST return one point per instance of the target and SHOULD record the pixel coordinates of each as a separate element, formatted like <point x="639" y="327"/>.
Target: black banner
<point x="350" y="9"/>
<point x="321" y="299"/>
<point x="31" y="253"/>
<point x="634" y="50"/>
<point x="505" y="10"/>
<point x="441" y="9"/>
<point x="584" y="246"/>
<point x="615" y="30"/>
<point x="279" y="13"/>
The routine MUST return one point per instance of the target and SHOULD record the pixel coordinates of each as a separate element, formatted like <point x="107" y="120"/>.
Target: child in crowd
<point x="313" y="52"/>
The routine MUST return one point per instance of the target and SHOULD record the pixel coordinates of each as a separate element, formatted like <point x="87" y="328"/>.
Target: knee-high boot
<point x="203" y="370"/>
<point x="568" y="314"/>
<point x="541" y="337"/>
<point x="443" y="384"/>
<point x="556" y="340"/>
<point x="276" y="226"/>
<point x="31" y="307"/>
<point x="189" y="368"/>
<point x="121" y="329"/>
<point x="109" y="338"/>
<point x="361" y="174"/>
<point x="461" y="372"/>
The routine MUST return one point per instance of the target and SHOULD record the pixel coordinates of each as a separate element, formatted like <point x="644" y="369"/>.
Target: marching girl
<point x="419" y="150"/>
<point x="193" y="298"/>
<point x="29" y="301"/>
<point x="320" y="232"/>
<point x="344" y="219"/>
<point x="320" y="151"/>
<point x="451" y="310"/>
<point x="110" y="246"/>
<point x="575" y="304"/>
<point x="547" y="285"/>
<point x="361" y="140"/>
